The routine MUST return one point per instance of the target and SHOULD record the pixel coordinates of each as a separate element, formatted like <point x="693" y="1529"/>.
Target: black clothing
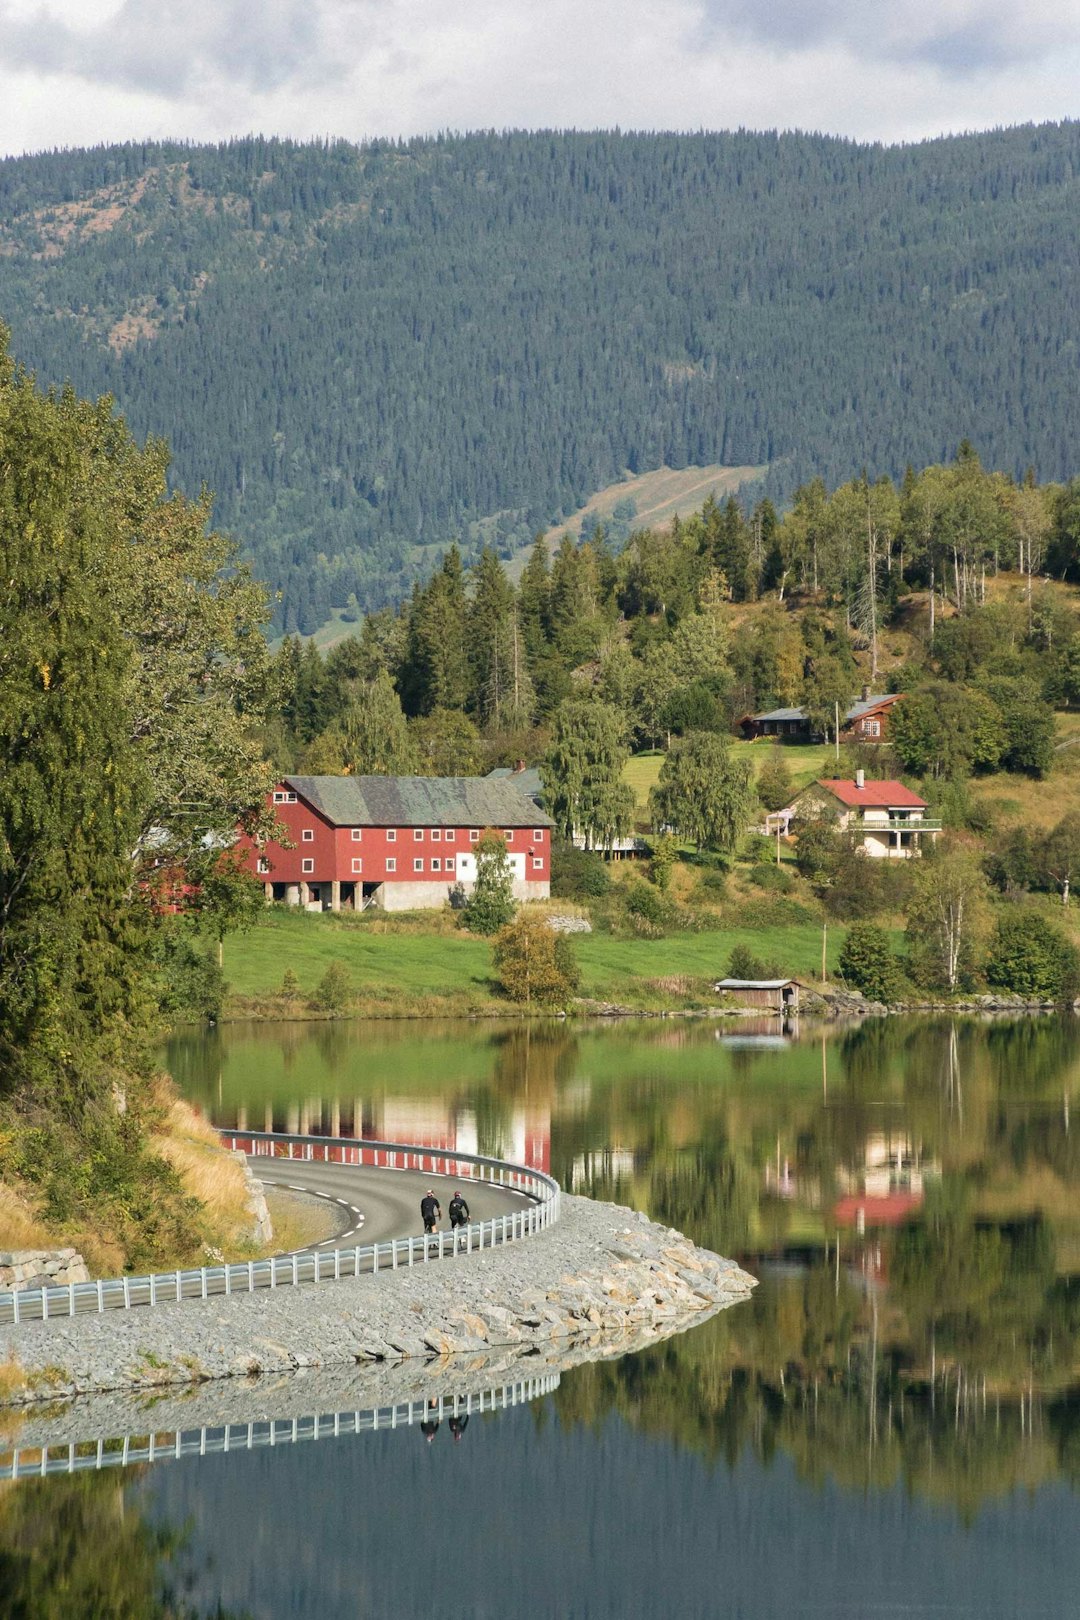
<point x="459" y="1211"/>
<point x="457" y="1426"/>
<point x="430" y="1211"/>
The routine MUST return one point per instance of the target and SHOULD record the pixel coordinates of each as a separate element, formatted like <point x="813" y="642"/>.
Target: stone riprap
<point x="602" y="1275"/>
<point x="40" y="1268"/>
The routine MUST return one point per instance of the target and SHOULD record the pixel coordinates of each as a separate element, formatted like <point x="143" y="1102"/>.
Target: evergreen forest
<point x="368" y="352"/>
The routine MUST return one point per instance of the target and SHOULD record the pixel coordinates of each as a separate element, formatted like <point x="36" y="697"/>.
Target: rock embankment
<point x="602" y="1275"/>
<point x="40" y="1268"/>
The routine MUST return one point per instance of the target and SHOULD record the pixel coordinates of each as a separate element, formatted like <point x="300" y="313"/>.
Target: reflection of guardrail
<point x="126" y="1450"/>
<point x="318" y="1265"/>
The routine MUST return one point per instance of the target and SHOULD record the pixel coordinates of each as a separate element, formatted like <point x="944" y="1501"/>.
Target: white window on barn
<point x="308" y="835"/>
<point x="391" y="864"/>
<point x="356" y="834"/>
<point x="264" y="863"/>
<point x="509" y="832"/>
<point x="357" y="865"/>
<point x="450" y="835"/>
<point x="538" y="862"/>
<point x="538" y="833"/>
<point x="449" y="863"/>
<point x="418" y="864"/>
<point x="474" y="835"/>
<point x="391" y="835"/>
<point x="436" y="834"/>
<point x="418" y="834"/>
<point x="436" y="865"/>
<point x="282" y="797"/>
<point x="307" y="866"/>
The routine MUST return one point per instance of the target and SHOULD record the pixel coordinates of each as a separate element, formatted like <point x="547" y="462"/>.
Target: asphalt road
<point x="374" y="1205"/>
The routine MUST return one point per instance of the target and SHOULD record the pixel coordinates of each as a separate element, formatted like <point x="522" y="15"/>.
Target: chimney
<point x="865" y="694"/>
<point x="860" y="779"/>
<point x="519" y="766"/>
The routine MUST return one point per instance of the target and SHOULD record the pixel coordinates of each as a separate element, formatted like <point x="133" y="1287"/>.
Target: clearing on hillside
<point x="659" y="496"/>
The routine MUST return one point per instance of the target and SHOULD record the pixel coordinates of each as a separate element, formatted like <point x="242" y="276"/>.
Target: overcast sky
<point x="79" y="72"/>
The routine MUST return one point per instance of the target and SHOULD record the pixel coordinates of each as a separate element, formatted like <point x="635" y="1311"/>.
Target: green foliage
<point x="534" y="964"/>
<point x="649" y="912"/>
<point x="744" y="964"/>
<point x="867" y="962"/>
<point x="819" y="843"/>
<point x="290" y="984"/>
<point x="769" y="876"/>
<point x="947" y="916"/>
<point x="577" y="874"/>
<point x="490" y="906"/>
<point x="582" y="773"/>
<point x="774" y="784"/>
<point x="662" y="862"/>
<point x="334" y="990"/>
<point x="1032" y="957"/>
<point x="191" y="985"/>
<point x="334" y="486"/>
<point x="946" y="730"/>
<point x="703" y="792"/>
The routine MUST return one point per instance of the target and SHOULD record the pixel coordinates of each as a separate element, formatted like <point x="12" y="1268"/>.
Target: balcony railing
<point x="900" y="824"/>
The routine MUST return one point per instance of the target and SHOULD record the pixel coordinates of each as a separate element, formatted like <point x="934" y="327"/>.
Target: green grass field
<point x="402" y="971"/>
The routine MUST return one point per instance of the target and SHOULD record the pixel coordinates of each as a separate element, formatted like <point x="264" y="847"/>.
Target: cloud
<point x="86" y="71"/>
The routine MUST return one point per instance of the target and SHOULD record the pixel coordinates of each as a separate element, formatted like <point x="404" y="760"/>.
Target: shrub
<point x="664" y="852"/>
<point x="577" y="874"/>
<point x="817" y="847"/>
<point x="333" y="990"/>
<point x="774" y="878"/>
<point x="743" y="964"/>
<point x="534" y="964"/>
<point x="867" y="962"/>
<point x="191" y="986"/>
<point x="1032" y="957"/>
<point x="290" y="984"/>
<point x="713" y="882"/>
<point x="649" y="910"/>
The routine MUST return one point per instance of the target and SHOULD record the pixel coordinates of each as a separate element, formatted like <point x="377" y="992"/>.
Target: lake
<point x="890" y="1426"/>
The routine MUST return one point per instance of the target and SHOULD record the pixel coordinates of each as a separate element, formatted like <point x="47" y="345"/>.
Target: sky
<point x="82" y="72"/>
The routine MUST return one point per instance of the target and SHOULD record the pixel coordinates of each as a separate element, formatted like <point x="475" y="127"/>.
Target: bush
<point x="534" y="964"/>
<point x="774" y="784"/>
<point x="867" y="962"/>
<point x="1032" y="957"/>
<point x="743" y="964"/>
<point x="774" y="878"/>
<point x="817" y="847"/>
<point x="191" y="985"/>
<point x="713" y="882"/>
<point x="290" y="984"/>
<point x="333" y="991"/>
<point x="649" y="911"/>
<point x="577" y="874"/>
<point x="662" y="864"/>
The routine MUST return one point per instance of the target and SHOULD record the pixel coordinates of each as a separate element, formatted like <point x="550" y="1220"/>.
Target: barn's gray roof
<point x="783" y="714"/>
<point x="527" y="782"/>
<point x="418" y="801"/>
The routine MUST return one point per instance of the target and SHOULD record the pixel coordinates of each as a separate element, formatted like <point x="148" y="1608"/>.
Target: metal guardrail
<point x="124" y="1451"/>
<point x="317" y="1265"/>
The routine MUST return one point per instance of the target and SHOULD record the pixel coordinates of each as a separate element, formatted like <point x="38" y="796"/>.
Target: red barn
<point x="399" y="842"/>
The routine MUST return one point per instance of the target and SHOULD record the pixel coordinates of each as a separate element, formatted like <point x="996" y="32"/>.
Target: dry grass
<point x="22" y="1226"/>
<point x="209" y="1173"/>
<point x="298" y="1221"/>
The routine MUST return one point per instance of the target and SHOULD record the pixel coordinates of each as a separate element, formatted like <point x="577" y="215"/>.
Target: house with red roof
<point x="889" y="820"/>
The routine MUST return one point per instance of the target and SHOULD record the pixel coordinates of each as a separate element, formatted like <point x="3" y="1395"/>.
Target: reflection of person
<point x="457" y="1426"/>
<point x="459" y="1210"/>
<point x="430" y="1210"/>
<point x="429" y="1428"/>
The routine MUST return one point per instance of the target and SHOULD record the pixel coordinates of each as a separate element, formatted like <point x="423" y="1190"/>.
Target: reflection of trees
<point x="793" y="1372"/>
<point x="708" y="1190"/>
<point x="73" y="1549"/>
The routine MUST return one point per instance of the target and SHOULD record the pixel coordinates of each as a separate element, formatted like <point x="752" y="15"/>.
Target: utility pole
<point x="824" y="942"/>
<point x="836" y="727"/>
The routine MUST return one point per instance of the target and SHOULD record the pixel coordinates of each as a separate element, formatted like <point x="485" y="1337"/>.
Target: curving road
<point x="374" y="1205"/>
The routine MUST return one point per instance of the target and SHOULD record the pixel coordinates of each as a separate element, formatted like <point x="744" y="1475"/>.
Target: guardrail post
<point x="228" y="1279"/>
<point x="71" y="1299"/>
<point x="295" y="1269"/>
<point x="251" y="1276"/>
<point x="15" y="1303"/>
<point x="179" y="1294"/>
<point x="100" y="1295"/>
<point x="153" y="1301"/>
<point x="127" y="1293"/>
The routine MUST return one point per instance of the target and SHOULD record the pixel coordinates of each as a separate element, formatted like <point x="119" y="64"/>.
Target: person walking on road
<point x="430" y="1211"/>
<point x="459" y="1210"/>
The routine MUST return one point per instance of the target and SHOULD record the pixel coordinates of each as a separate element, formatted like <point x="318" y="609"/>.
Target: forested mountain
<point x="367" y="350"/>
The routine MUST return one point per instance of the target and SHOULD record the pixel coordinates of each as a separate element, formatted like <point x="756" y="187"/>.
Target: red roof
<point x="875" y="795"/>
<point x="893" y="1209"/>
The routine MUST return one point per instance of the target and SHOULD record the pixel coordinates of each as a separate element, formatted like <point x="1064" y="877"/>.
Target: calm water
<point x="890" y="1427"/>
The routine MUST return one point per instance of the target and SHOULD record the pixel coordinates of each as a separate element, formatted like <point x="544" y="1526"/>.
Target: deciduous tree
<point x="703" y="792"/>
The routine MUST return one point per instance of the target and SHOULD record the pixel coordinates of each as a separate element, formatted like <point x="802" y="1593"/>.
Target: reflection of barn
<point x="779" y="995"/>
